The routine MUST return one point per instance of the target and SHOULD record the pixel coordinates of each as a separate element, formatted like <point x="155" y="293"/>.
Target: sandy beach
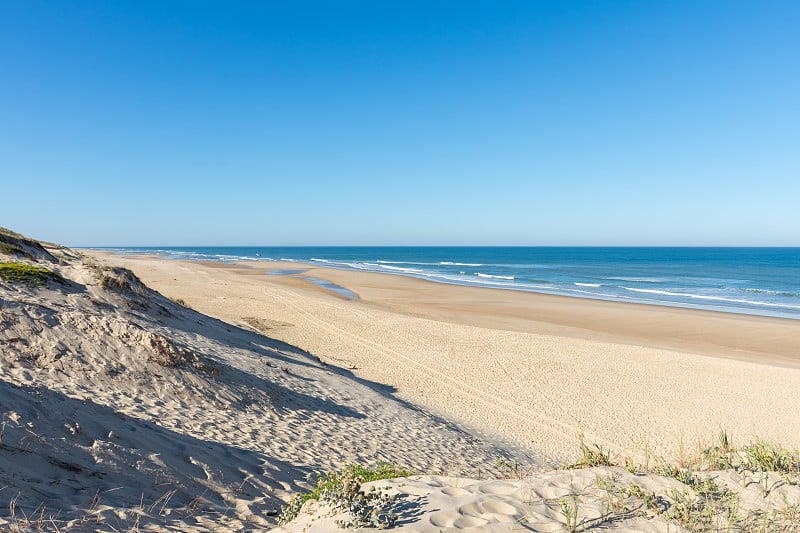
<point x="543" y="371"/>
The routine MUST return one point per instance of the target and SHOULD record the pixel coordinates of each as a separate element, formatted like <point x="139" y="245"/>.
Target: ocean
<point x="759" y="281"/>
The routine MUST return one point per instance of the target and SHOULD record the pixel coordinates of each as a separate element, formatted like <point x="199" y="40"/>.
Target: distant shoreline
<point x="623" y="289"/>
<point x="740" y="336"/>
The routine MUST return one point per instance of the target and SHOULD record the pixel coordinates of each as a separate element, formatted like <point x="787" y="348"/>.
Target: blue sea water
<point x="761" y="281"/>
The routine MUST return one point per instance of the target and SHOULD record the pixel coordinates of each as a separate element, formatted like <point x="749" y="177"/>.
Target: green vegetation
<point x="342" y="491"/>
<point x="569" y="510"/>
<point x="594" y="455"/>
<point x="759" y="456"/>
<point x="28" y="274"/>
<point x="705" y="503"/>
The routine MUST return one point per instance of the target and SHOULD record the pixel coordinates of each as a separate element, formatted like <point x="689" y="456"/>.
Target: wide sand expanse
<point x="545" y="371"/>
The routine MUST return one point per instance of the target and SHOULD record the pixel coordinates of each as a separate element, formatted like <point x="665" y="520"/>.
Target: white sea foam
<point x="775" y="293"/>
<point x="587" y="284"/>
<point x="450" y="263"/>
<point x="401" y="269"/>
<point x="320" y="260"/>
<point x="470" y="280"/>
<point x="481" y="275"/>
<point x="381" y="261"/>
<point x="712" y="298"/>
<point x="642" y="280"/>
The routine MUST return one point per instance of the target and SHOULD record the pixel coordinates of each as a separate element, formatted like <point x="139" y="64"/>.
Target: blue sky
<point x="507" y="123"/>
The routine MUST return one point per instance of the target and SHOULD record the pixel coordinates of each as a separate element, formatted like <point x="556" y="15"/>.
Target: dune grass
<point x="179" y="301"/>
<point x="6" y="231"/>
<point x="12" y="249"/>
<point x="705" y="504"/>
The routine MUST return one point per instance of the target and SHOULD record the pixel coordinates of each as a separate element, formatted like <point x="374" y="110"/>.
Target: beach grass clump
<point x="758" y="456"/>
<point x="125" y="283"/>
<point x="342" y="492"/>
<point x="180" y="302"/>
<point x="168" y="354"/>
<point x="704" y="504"/>
<point x="769" y="457"/>
<point x="13" y="249"/>
<point x="9" y="233"/>
<point x="512" y="469"/>
<point x="12" y="243"/>
<point x="28" y="274"/>
<point x="591" y="455"/>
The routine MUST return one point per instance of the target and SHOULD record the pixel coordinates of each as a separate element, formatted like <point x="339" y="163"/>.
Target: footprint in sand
<point x="498" y="487"/>
<point x="444" y="518"/>
<point x="464" y="522"/>
<point x="492" y="511"/>
<point x="456" y="491"/>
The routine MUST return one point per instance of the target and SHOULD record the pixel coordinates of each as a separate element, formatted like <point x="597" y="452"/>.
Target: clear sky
<point x="379" y="122"/>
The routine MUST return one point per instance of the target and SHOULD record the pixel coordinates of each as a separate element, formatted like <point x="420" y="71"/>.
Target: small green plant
<point x="766" y="456"/>
<point x="614" y="501"/>
<point x="594" y="455"/>
<point x="759" y="456"/>
<point x="684" y="475"/>
<point x="512" y="469"/>
<point x="365" y="509"/>
<point x="649" y="499"/>
<point x="631" y="466"/>
<point x="569" y="510"/>
<point x="28" y="274"/>
<point x="686" y="510"/>
<point x="789" y="515"/>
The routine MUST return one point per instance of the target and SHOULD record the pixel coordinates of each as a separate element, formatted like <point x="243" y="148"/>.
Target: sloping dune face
<point x="122" y="409"/>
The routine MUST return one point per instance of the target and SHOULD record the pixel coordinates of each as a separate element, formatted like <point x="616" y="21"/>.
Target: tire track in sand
<point x="455" y="385"/>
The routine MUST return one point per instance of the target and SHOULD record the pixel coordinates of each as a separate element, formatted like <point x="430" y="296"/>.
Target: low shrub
<point x="28" y="274"/>
<point x="342" y="491"/>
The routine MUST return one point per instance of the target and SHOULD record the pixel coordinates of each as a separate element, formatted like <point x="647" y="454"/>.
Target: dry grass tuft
<point x="122" y="280"/>
<point x="169" y="355"/>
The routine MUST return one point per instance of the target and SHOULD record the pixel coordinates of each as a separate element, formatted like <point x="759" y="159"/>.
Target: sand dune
<point x="122" y="407"/>
<point x="602" y="498"/>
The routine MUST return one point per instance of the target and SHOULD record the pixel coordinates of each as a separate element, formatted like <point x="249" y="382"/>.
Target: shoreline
<point x="575" y="289"/>
<point x="738" y="336"/>
<point x="538" y="369"/>
<point x="745" y="337"/>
